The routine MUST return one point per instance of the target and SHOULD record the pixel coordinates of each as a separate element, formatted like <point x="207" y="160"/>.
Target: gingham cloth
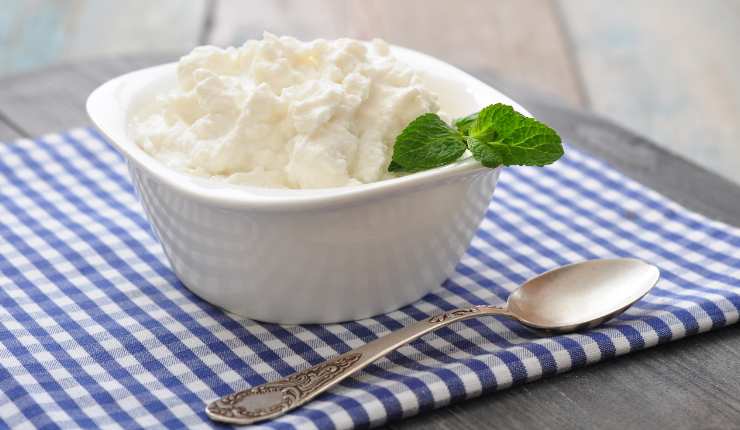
<point x="96" y="331"/>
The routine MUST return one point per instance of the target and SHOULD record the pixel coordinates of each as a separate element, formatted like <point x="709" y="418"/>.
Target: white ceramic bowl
<point x="308" y="256"/>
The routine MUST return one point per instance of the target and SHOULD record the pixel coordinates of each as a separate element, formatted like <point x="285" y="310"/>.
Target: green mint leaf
<point x="482" y="152"/>
<point x="427" y="142"/>
<point x="395" y="167"/>
<point x="501" y="135"/>
<point x="463" y="124"/>
<point x="495" y="121"/>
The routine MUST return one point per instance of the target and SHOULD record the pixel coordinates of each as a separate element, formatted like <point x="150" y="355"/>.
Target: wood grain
<point x="644" y="160"/>
<point x="54" y="98"/>
<point x="8" y="133"/>
<point x="519" y="40"/>
<point x="688" y="384"/>
<point x="668" y="69"/>
<point x="34" y="33"/>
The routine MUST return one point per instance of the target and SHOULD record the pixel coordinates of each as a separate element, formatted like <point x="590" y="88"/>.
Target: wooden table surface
<point x="689" y="384"/>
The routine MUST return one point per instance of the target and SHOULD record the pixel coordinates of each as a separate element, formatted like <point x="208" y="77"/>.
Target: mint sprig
<point x="497" y="135"/>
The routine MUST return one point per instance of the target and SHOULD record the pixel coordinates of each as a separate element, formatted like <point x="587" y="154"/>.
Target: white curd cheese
<point x="283" y="113"/>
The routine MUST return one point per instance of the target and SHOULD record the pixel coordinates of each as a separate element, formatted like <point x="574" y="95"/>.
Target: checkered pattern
<point x="96" y="331"/>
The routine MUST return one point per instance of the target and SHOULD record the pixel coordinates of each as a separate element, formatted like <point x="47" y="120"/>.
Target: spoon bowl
<point x="581" y="295"/>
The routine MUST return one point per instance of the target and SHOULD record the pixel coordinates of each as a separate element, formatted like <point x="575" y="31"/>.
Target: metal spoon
<point x="562" y="300"/>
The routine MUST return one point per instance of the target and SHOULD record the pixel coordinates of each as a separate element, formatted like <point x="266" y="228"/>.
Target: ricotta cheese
<point x="283" y="113"/>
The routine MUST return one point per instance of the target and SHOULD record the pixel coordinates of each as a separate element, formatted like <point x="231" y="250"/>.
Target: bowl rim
<point x="108" y="106"/>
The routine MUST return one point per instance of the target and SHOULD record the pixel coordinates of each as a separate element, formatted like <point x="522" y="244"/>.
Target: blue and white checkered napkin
<point x="96" y="331"/>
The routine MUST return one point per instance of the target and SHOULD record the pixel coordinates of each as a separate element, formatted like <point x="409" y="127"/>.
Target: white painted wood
<point x="667" y="69"/>
<point x="34" y="33"/>
<point x="520" y="40"/>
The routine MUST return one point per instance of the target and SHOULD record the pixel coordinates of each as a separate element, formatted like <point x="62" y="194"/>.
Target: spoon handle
<point x="273" y="399"/>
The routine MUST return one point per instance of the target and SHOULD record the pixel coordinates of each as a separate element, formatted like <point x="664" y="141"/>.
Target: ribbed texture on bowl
<point x="308" y="256"/>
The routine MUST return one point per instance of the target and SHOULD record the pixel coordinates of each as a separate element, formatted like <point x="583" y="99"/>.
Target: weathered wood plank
<point x="8" y="133"/>
<point x="39" y="32"/>
<point x="54" y="99"/>
<point x="646" y="162"/>
<point x="517" y="39"/>
<point x="641" y="158"/>
<point x="666" y="69"/>
<point x="235" y="21"/>
<point x="688" y="384"/>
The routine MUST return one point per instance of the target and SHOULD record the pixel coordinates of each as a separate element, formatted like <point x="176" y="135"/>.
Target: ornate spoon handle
<point x="273" y="399"/>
